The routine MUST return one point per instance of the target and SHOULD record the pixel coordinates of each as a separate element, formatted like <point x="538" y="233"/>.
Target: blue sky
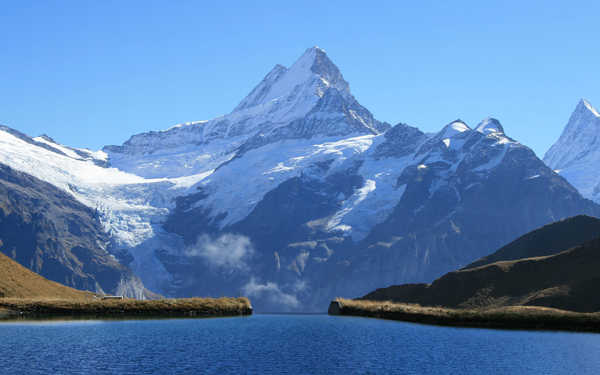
<point x="91" y="73"/>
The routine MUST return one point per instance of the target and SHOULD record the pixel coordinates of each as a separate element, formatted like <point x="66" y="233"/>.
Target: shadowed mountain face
<point x="407" y="210"/>
<point x="547" y="240"/>
<point x="300" y="195"/>
<point x="50" y="233"/>
<point x="565" y="279"/>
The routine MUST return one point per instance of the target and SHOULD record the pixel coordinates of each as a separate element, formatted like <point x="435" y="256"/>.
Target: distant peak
<point x="490" y="125"/>
<point x="313" y="51"/>
<point x="584" y="105"/>
<point x="317" y="61"/>
<point x="455" y="127"/>
<point x="459" y="125"/>
<point x="47" y="138"/>
<point x="313" y="71"/>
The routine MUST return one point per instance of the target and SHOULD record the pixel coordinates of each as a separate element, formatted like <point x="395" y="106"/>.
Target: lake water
<point x="292" y="344"/>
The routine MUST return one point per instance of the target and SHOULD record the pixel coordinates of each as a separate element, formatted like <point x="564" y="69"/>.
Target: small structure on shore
<point x="112" y="297"/>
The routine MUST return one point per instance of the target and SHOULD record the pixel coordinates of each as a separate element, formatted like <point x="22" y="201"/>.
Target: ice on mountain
<point x="490" y="125"/>
<point x="577" y="152"/>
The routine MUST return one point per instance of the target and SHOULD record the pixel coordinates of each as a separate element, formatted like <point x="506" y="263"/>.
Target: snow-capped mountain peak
<point x="313" y="73"/>
<point x="576" y="154"/>
<point x="585" y="104"/>
<point x="580" y="136"/>
<point x="454" y="128"/>
<point x="490" y="125"/>
<point x="309" y="99"/>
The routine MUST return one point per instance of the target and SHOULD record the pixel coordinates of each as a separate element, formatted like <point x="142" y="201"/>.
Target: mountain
<point x="300" y="195"/>
<point x="309" y="99"/>
<point x="564" y="279"/>
<point x="46" y="230"/>
<point x="19" y="282"/>
<point x="576" y="154"/>
<point x="547" y="240"/>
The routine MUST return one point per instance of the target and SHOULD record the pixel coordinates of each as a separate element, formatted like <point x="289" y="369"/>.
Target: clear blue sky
<point x="91" y="73"/>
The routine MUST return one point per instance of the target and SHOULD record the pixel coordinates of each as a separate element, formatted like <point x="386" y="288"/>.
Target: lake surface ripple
<point x="289" y="344"/>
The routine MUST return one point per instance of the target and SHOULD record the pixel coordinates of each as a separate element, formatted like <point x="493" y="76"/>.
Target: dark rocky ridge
<point x="547" y="240"/>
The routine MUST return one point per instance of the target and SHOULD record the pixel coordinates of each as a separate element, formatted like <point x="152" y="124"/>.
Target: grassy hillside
<point x="567" y="281"/>
<point x="547" y="240"/>
<point x="17" y="281"/>
<point x="508" y="317"/>
<point x="24" y="293"/>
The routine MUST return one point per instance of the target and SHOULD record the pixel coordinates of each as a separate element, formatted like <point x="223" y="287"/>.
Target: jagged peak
<point x="277" y="70"/>
<point x="457" y="126"/>
<point x="490" y="125"/>
<point x="259" y="93"/>
<point x="48" y="138"/>
<point x="320" y="64"/>
<point x="586" y="106"/>
<point x="578" y="140"/>
<point x="313" y="69"/>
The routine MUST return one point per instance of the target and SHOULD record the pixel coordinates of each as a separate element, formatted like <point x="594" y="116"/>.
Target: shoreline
<point x="510" y="317"/>
<point x="33" y="309"/>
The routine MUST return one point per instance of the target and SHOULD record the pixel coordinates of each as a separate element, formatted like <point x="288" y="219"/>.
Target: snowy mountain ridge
<point x="311" y="88"/>
<point x="576" y="154"/>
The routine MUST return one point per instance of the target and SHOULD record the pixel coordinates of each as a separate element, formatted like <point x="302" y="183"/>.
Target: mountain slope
<point x="309" y="99"/>
<point x="19" y="282"/>
<point x="348" y="216"/>
<point x="548" y="240"/>
<point x="566" y="280"/>
<point x="300" y="195"/>
<point x="46" y="230"/>
<point x="576" y="154"/>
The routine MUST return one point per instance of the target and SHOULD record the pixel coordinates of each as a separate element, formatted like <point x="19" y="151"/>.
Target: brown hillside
<point x="17" y="281"/>
<point x="548" y="240"/>
<point x="567" y="281"/>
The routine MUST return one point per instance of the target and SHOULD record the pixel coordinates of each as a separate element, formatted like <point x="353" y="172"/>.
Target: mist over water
<point x="294" y="344"/>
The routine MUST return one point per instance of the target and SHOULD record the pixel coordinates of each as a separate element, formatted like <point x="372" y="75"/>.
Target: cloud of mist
<point x="270" y="291"/>
<point x="228" y="250"/>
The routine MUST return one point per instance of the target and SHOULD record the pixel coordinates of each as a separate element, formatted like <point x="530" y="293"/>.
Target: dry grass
<point x="17" y="281"/>
<point x="511" y="317"/>
<point x="94" y="307"/>
<point x="24" y="293"/>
